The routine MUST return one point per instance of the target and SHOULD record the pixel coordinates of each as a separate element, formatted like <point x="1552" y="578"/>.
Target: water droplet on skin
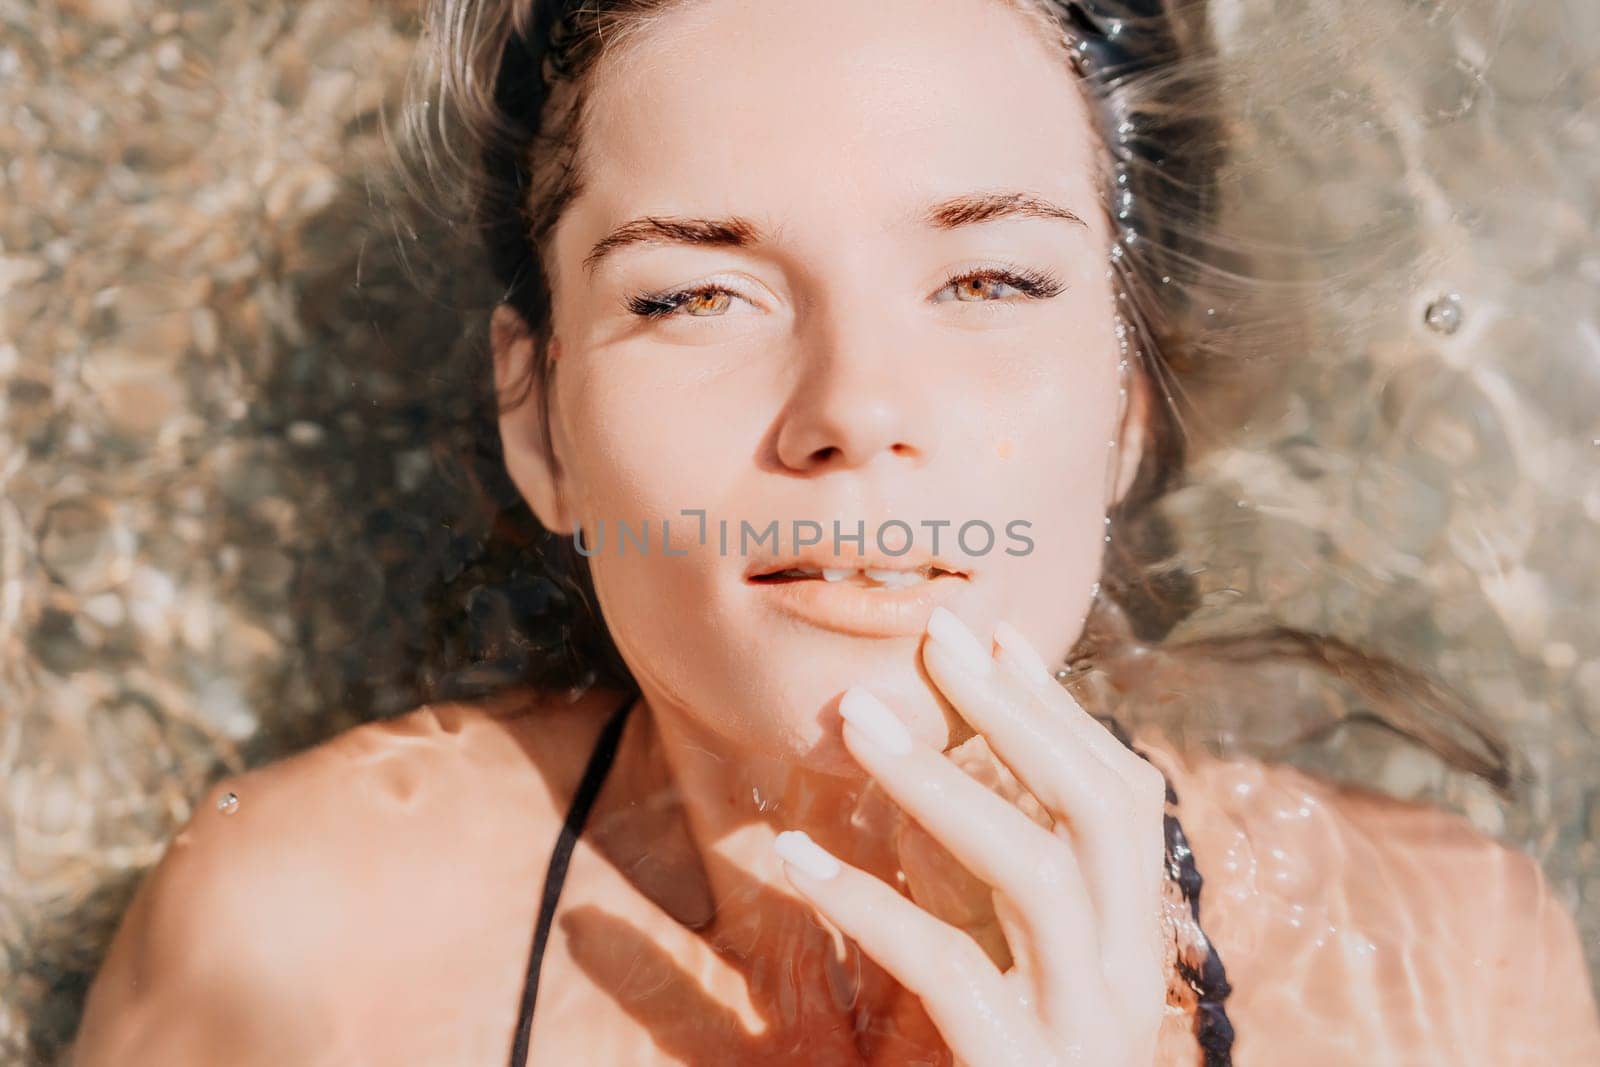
<point x="228" y="804"/>
<point x="1444" y="315"/>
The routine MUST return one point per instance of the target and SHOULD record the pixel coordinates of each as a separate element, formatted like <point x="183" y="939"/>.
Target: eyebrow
<point x="967" y="209"/>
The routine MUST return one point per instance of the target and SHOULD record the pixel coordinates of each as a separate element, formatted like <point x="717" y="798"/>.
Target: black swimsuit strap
<point x="605" y="749"/>
<point x="1207" y="977"/>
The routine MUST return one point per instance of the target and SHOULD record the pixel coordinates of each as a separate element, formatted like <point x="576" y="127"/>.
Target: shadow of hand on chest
<point x="777" y="988"/>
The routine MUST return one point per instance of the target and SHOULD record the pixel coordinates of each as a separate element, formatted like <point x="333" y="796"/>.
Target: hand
<point x="1080" y="904"/>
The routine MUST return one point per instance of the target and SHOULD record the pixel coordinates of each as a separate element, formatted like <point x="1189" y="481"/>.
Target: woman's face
<point x="840" y="153"/>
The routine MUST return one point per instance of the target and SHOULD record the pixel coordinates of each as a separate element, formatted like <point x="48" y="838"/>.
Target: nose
<point x="859" y="396"/>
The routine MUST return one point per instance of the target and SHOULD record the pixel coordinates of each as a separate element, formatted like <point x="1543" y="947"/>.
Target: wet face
<point x="874" y="289"/>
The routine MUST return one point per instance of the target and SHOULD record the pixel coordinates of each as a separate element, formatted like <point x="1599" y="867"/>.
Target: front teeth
<point x="883" y="576"/>
<point x="896" y="579"/>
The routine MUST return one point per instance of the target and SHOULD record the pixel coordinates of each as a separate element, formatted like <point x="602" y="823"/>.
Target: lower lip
<point x="851" y="608"/>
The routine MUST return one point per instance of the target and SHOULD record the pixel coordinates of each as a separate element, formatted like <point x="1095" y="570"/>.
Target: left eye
<point x="981" y="286"/>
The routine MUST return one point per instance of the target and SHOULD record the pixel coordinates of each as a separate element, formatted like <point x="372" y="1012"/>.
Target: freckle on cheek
<point x="1002" y="448"/>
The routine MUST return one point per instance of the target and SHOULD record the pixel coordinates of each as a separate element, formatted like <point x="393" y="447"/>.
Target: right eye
<point x="700" y="301"/>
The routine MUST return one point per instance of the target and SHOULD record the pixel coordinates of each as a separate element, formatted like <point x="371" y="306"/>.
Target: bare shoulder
<point x="381" y="850"/>
<point x="1517" y="941"/>
<point x="1497" y="901"/>
<point x="1443" y="922"/>
<point x="1278" y="803"/>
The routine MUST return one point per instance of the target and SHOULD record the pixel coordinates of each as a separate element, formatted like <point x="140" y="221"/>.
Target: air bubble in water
<point x="1444" y="315"/>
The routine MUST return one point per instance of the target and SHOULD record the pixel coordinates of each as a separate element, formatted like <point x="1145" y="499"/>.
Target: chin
<point x="818" y="741"/>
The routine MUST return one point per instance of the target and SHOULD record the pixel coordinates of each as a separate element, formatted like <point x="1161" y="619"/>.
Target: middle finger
<point x="1000" y="845"/>
<point x="1074" y="784"/>
<point x="1116" y="825"/>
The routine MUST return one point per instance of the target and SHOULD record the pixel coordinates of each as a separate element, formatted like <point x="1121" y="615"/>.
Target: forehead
<point x="828" y="111"/>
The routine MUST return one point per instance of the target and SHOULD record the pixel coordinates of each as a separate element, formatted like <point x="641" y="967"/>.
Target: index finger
<point x="1067" y="776"/>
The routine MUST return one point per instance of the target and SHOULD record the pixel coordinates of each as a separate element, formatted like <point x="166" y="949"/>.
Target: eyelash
<point x="1031" y="283"/>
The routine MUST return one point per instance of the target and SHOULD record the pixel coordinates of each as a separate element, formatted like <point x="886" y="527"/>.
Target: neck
<point x="735" y="802"/>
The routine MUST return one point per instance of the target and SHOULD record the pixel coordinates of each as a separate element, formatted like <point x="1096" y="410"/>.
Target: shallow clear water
<point x="222" y="522"/>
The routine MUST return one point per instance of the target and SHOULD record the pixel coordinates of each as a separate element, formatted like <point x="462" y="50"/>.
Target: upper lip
<point x="820" y="558"/>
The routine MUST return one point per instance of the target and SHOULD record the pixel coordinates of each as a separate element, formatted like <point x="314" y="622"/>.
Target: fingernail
<point x="1011" y="641"/>
<point x="952" y="633"/>
<point x="797" y="847"/>
<point x="872" y="717"/>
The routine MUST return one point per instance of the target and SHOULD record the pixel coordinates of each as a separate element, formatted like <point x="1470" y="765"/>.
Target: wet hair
<point x="490" y="135"/>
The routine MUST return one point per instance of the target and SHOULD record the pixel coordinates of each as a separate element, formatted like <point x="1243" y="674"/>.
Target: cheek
<point x="634" y="453"/>
<point x="658" y="613"/>
<point x="1059" y="479"/>
<point x="1051" y="464"/>
<point x="1052" y="439"/>
<point x="638" y="457"/>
